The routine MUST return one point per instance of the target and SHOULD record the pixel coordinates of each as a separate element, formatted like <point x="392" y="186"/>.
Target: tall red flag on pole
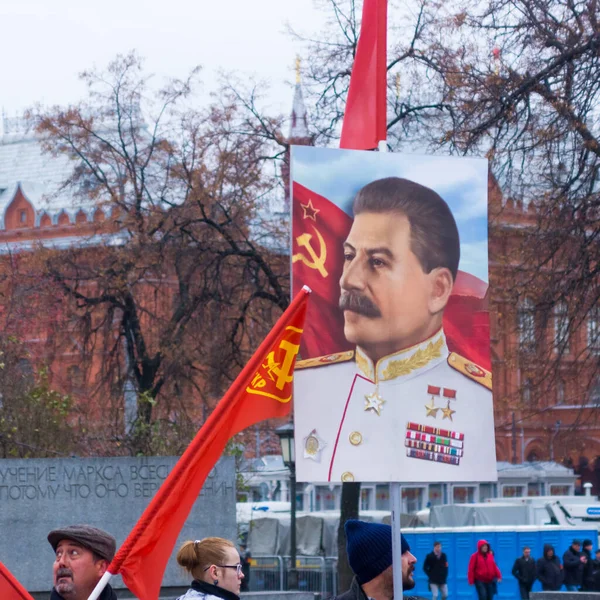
<point x="263" y="390"/>
<point x="10" y="588"/>
<point x="366" y="107"/>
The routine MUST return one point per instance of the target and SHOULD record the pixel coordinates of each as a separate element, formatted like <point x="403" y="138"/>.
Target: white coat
<point x="420" y="415"/>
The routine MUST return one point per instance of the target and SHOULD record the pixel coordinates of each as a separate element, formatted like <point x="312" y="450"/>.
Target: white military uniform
<point x="419" y="415"/>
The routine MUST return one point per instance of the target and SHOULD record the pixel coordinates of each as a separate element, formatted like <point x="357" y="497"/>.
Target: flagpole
<point x="100" y="586"/>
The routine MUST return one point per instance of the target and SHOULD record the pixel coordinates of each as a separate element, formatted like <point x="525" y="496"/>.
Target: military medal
<point x="431" y="408"/>
<point x="425" y="442"/>
<point x="448" y="412"/>
<point x="374" y="402"/>
<point x="313" y="446"/>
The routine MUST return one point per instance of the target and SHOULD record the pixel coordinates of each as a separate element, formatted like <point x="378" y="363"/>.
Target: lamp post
<point x="286" y="438"/>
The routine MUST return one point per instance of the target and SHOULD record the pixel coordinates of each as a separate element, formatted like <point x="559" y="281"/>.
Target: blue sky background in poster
<point x="461" y="182"/>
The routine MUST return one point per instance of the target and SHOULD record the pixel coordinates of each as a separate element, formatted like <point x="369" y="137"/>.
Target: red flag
<point x="10" y="588"/>
<point x="366" y="108"/>
<point x="320" y="228"/>
<point x="262" y="390"/>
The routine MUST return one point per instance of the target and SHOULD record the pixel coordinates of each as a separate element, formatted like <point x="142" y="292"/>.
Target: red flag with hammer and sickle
<point x="262" y="390"/>
<point x="319" y="229"/>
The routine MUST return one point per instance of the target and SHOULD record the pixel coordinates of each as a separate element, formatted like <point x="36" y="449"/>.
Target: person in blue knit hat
<point x="369" y="549"/>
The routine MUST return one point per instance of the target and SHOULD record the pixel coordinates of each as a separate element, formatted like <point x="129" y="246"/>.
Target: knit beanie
<point x="369" y="548"/>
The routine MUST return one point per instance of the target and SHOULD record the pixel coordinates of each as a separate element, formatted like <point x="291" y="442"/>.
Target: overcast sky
<point x="44" y="44"/>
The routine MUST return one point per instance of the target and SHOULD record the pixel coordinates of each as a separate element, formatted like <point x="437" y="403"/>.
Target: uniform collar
<point x="408" y="362"/>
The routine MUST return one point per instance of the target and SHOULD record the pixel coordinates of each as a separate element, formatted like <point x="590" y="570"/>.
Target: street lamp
<point x="286" y="439"/>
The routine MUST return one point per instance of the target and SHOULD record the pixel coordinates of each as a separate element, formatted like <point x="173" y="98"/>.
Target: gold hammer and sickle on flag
<point x="316" y="261"/>
<point x="283" y="373"/>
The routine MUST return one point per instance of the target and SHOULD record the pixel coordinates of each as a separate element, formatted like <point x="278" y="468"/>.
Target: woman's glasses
<point x="237" y="567"/>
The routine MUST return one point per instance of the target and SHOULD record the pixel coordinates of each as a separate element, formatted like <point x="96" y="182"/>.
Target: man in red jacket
<point x="483" y="571"/>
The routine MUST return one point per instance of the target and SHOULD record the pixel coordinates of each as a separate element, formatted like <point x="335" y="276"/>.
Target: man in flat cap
<point x="369" y="548"/>
<point x="83" y="554"/>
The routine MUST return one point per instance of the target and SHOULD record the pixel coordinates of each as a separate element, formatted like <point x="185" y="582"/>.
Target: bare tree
<point x="184" y="273"/>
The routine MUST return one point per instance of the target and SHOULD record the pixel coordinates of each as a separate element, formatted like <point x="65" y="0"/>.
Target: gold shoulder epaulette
<point x="328" y="359"/>
<point x="470" y="369"/>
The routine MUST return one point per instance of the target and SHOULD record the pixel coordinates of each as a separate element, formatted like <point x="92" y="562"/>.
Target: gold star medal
<point x="431" y="409"/>
<point x="448" y="412"/>
<point x="374" y="402"/>
<point x="313" y="446"/>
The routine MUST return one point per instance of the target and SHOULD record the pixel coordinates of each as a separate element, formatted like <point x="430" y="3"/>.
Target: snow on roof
<point x="40" y="176"/>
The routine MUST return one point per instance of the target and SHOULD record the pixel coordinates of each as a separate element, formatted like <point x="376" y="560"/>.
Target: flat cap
<point x="101" y="543"/>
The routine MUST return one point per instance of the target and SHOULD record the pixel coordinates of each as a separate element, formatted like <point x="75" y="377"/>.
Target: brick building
<point x="545" y="358"/>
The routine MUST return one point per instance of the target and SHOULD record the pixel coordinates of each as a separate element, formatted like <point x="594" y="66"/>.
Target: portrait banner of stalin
<point x="394" y="379"/>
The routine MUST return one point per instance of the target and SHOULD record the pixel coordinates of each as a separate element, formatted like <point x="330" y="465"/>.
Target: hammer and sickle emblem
<point x="316" y="261"/>
<point x="283" y="373"/>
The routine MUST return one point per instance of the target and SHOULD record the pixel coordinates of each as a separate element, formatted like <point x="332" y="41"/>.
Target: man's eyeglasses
<point x="237" y="567"/>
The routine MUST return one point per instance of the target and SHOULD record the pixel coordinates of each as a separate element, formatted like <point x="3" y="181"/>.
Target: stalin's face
<point x="389" y="302"/>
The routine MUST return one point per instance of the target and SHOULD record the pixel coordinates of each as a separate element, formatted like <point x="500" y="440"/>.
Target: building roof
<point x="534" y="470"/>
<point x="39" y="175"/>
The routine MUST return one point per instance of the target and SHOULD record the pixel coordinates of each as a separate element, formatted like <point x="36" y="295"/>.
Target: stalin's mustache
<point x="359" y="304"/>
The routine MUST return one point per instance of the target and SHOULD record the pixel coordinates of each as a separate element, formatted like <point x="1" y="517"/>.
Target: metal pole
<point x="293" y="573"/>
<point x="396" y="501"/>
<point x="514" y="439"/>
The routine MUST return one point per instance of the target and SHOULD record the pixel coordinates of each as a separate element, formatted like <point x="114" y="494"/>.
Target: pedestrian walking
<point x="573" y="562"/>
<point x="549" y="570"/>
<point x="587" y="577"/>
<point x="436" y="569"/>
<point x="483" y="571"/>
<point x="596" y="572"/>
<point x="525" y="572"/>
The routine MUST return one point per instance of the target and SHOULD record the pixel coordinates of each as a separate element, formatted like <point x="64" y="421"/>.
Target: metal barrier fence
<point x="315" y="574"/>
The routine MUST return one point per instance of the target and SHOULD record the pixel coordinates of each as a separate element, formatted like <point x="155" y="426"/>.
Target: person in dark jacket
<point x="524" y="571"/>
<point x="587" y="578"/>
<point x="245" y="557"/>
<point x="82" y="555"/>
<point x="596" y="572"/>
<point x="436" y="569"/>
<point x="369" y="548"/>
<point x="549" y="570"/>
<point x="573" y="563"/>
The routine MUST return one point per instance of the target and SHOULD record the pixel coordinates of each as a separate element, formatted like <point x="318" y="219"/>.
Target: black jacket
<point x="436" y="568"/>
<point x="587" y="578"/>
<point x="524" y="570"/>
<point x="356" y="593"/>
<point x="548" y="571"/>
<point x="107" y="594"/>
<point x="573" y="567"/>
<point x="596" y="575"/>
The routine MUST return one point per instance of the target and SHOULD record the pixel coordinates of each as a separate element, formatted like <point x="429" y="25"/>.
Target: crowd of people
<point x="83" y="553"/>
<point x="579" y="570"/>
